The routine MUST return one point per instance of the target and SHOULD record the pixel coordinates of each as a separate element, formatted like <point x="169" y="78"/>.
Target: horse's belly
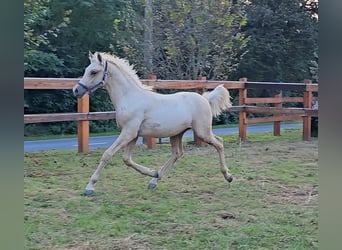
<point x="164" y="127"/>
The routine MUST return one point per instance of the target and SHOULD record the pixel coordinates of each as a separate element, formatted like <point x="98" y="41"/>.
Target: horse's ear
<point x="99" y="57"/>
<point x="90" y="55"/>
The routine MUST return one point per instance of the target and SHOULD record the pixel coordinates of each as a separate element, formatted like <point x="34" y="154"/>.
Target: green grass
<point x="271" y="204"/>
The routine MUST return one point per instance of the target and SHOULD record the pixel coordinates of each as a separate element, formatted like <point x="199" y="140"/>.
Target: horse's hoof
<point x="88" y="192"/>
<point x="151" y="186"/>
<point x="155" y="174"/>
<point x="230" y="178"/>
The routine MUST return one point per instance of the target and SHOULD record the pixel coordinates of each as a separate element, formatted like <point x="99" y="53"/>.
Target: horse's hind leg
<point x="177" y="152"/>
<point x="127" y="158"/>
<point x="217" y="142"/>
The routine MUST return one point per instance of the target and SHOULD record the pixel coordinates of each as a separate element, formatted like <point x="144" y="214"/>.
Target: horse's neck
<point x="121" y="89"/>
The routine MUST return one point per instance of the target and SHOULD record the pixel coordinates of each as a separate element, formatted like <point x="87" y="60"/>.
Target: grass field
<point x="271" y="204"/>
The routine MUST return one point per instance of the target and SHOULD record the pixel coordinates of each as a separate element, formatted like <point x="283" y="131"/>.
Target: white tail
<point x="219" y="99"/>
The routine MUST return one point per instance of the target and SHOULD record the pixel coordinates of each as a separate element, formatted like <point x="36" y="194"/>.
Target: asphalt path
<point x="105" y="141"/>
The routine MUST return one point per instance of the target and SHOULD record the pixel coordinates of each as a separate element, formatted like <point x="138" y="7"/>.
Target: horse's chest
<point x="125" y="116"/>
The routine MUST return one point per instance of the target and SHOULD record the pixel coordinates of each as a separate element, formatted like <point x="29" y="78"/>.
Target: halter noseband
<point x="97" y="85"/>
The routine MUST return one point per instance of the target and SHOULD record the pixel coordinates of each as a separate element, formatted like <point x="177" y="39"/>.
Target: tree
<point x="197" y="38"/>
<point x="190" y="38"/>
<point x="58" y="36"/>
<point x="314" y="68"/>
<point x="90" y="29"/>
<point x="39" y="60"/>
<point x="283" y="40"/>
<point x="148" y="37"/>
<point x="129" y="34"/>
<point x="37" y="29"/>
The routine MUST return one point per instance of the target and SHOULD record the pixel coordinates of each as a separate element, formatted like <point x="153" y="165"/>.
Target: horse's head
<point x="94" y="77"/>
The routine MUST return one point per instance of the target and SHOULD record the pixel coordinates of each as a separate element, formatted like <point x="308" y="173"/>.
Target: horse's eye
<point x="93" y="72"/>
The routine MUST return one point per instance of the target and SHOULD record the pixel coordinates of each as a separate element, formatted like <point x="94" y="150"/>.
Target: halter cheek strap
<point x="97" y="85"/>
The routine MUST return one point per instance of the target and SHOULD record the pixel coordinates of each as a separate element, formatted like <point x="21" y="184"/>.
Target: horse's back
<point x="171" y="114"/>
<point x="183" y="102"/>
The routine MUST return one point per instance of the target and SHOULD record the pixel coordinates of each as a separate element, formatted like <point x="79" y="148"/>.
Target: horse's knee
<point x="219" y="139"/>
<point x="219" y="146"/>
<point x="217" y="143"/>
<point x="106" y="157"/>
<point x="127" y="160"/>
<point x="179" y="154"/>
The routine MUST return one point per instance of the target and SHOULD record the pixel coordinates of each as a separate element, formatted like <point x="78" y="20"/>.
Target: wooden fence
<point x="278" y="112"/>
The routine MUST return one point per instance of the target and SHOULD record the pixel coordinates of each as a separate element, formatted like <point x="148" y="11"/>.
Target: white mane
<point x="126" y="68"/>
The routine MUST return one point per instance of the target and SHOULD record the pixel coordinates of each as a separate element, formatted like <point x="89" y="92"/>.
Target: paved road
<point x="106" y="141"/>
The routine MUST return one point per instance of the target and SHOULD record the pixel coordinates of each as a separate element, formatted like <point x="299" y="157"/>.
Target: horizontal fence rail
<point x="105" y="115"/>
<point x="63" y="117"/>
<point x="280" y="113"/>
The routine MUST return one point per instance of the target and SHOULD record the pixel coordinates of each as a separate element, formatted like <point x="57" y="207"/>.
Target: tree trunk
<point x="148" y="36"/>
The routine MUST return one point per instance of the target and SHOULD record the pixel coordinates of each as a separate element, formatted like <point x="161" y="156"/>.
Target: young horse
<point x="141" y="112"/>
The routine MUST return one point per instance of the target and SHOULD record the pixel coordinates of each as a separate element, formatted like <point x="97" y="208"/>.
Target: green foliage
<point x="44" y="100"/>
<point x="49" y="101"/>
<point x="43" y="64"/>
<point x="283" y="39"/>
<point x="35" y="14"/>
<point x="57" y="25"/>
<point x="128" y="32"/>
<point x="90" y="29"/>
<point x="50" y="128"/>
<point x="197" y="38"/>
<point x="39" y="58"/>
<point x="313" y="66"/>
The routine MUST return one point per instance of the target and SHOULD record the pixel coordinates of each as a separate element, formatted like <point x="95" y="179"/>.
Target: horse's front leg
<point x="120" y="142"/>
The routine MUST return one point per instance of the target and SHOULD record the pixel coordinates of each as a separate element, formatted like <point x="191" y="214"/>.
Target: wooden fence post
<point x="242" y="114"/>
<point x="276" y="124"/>
<point x="151" y="141"/>
<point x="197" y="140"/>
<point x="83" y="126"/>
<point x="307" y="103"/>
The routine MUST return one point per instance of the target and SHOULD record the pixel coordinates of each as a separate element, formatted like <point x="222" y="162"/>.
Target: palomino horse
<point x="142" y="112"/>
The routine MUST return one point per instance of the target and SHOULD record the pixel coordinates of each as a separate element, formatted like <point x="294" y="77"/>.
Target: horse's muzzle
<point x="78" y="92"/>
